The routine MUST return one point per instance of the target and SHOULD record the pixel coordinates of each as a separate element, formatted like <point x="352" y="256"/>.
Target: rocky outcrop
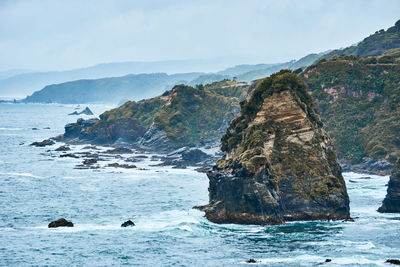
<point x="183" y="116"/>
<point x="46" y="142"/>
<point x="128" y="223"/>
<point x="279" y="164"/>
<point x="391" y="203"/>
<point x="86" y="111"/>
<point x="60" y="223"/>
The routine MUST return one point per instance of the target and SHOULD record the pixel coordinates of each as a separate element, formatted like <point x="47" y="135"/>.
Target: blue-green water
<point x="37" y="187"/>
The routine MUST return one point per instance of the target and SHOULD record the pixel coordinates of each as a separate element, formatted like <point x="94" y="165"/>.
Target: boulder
<point x="279" y="164"/>
<point x="128" y="223"/>
<point x="63" y="148"/>
<point x="391" y="203"/>
<point x="89" y="161"/>
<point x="60" y="223"/>
<point x="46" y="142"/>
<point x="393" y="261"/>
<point x="194" y="156"/>
<point x="117" y="165"/>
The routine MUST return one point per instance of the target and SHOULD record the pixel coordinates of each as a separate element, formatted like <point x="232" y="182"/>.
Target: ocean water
<point x="37" y="186"/>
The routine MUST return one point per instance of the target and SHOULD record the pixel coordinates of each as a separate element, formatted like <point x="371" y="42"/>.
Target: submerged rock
<point x="46" y="142"/>
<point x="119" y="150"/>
<point x="60" y="223"/>
<point x="128" y="223"/>
<point x="391" y="203"/>
<point x="117" y="165"/>
<point x="279" y="164"/>
<point x="63" y="148"/>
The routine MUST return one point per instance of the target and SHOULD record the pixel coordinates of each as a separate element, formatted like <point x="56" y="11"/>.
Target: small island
<point x="279" y="164"/>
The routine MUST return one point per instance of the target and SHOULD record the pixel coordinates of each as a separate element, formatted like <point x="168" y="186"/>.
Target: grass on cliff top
<point x="194" y="115"/>
<point x="283" y="80"/>
<point x="188" y="115"/>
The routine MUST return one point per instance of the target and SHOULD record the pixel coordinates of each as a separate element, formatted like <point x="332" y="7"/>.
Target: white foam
<point x="19" y="174"/>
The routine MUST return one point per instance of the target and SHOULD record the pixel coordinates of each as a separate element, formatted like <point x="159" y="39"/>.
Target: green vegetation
<point x="358" y="99"/>
<point x="381" y="42"/>
<point x="283" y="80"/>
<point x="188" y="116"/>
<point x="255" y="145"/>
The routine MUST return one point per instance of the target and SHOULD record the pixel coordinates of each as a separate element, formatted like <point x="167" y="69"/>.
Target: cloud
<point x="67" y="34"/>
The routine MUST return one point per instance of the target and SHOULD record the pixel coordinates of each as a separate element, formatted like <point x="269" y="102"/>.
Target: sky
<point x="60" y="35"/>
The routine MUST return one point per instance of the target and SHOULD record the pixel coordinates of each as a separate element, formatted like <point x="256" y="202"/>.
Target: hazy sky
<point x="50" y="34"/>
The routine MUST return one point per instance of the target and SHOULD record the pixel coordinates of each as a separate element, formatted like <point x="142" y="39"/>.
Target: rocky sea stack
<point x="279" y="164"/>
<point x="391" y="203"/>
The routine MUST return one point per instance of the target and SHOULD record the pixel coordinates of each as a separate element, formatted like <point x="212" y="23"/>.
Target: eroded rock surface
<point x="279" y="164"/>
<point x="391" y="203"/>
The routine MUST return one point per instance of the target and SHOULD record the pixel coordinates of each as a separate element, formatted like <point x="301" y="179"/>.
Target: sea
<point x="37" y="187"/>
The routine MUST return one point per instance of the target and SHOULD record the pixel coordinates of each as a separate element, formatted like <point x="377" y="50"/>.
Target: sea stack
<point x="391" y="203"/>
<point x="279" y="164"/>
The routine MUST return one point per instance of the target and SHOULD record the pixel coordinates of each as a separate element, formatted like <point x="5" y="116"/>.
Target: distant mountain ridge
<point x="140" y="86"/>
<point x="19" y="83"/>
<point x="111" y="90"/>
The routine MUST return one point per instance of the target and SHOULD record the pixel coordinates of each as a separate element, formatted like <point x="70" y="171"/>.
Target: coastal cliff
<point x="279" y="163"/>
<point x="183" y="116"/>
<point x="391" y="203"/>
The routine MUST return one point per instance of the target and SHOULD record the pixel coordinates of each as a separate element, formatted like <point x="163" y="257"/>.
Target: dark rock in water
<point x="393" y="261"/>
<point x="89" y="161"/>
<point x="194" y="156"/>
<point x="46" y="142"/>
<point x="35" y="129"/>
<point x="46" y="128"/>
<point x="128" y="223"/>
<point x="117" y="165"/>
<point x="63" y="148"/>
<point x="69" y="155"/>
<point x="391" y="203"/>
<point x="279" y="164"/>
<point x="119" y="150"/>
<point x="251" y="261"/>
<point x="60" y="223"/>
<point x="328" y="260"/>
<point x="86" y="111"/>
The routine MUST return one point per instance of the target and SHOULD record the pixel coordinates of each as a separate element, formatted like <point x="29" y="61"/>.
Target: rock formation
<point x="60" y="223"/>
<point x="279" y="164"/>
<point x="391" y="203"/>
<point x="46" y="142"/>
<point x="128" y="223"/>
<point x="86" y="111"/>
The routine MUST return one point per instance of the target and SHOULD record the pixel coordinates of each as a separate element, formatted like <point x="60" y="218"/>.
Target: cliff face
<point x="391" y="203"/>
<point x="279" y="163"/>
<point x="182" y="116"/>
<point x="358" y="99"/>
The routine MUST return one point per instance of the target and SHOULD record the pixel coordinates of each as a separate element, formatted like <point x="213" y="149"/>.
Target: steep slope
<point x="358" y="99"/>
<point x="391" y="203"/>
<point x="379" y="43"/>
<point x="110" y="90"/>
<point x="183" y="116"/>
<point x="279" y="163"/>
